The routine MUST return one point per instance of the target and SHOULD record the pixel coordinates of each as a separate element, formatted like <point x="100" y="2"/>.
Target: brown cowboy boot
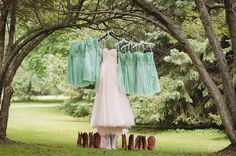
<point x="136" y="146"/>
<point x="79" y="139"/>
<point x="91" y="140"/>
<point x="131" y="142"/>
<point x="97" y="140"/>
<point x="140" y="147"/>
<point x="151" y="143"/>
<point x="124" y="143"/>
<point x="85" y="139"/>
<point x="144" y="142"/>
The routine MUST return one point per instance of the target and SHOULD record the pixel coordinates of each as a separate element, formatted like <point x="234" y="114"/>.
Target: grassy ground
<point x="44" y="130"/>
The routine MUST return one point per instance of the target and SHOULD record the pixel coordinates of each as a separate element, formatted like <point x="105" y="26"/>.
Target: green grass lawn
<point x="44" y="130"/>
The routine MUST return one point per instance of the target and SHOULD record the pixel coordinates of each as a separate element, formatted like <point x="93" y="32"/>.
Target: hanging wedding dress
<point x="111" y="112"/>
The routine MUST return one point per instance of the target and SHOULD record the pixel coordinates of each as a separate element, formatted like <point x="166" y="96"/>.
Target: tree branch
<point x="12" y="27"/>
<point x="37" y="16"/>
<point x="3" y="21"/>
<point x="215" y="6"/>
<point x="96" y="9"/>
<point x="231" y="23"/>
<point x="160" y="25"/>
<point x="69" y="5"/>
<point x="220" y="58"/>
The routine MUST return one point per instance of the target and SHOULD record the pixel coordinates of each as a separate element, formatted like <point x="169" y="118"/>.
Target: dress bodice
<point x="78" y="49"/>
<point x="110" y="55"/>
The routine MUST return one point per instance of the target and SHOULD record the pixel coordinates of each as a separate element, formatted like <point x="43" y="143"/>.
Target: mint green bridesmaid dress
<point x="147" y="77"/>
<point x="122" y="72"/>
<point x="131" y="73"/>
<point x="83" y="63"/>
<point x="138" y="73"/>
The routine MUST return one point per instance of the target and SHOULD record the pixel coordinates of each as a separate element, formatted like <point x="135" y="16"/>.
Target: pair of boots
<point x="109" y="141"/>
<point x="140" y="142"/>
<point x="89" y="140"/>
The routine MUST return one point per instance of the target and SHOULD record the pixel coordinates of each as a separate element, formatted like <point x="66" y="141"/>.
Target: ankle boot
<point x="91" y="139"/>
<point x="144" y="142"/>
<point x="140" y="143"/>
<point x="124" y="143"/>
<point x="151" y="143"/>
<point x="96" y="140"/>
<point x="136" y="145"/>
<point x="131" y="142"/>
<point x="79" y="139"/>
<point x="85" y="139"/>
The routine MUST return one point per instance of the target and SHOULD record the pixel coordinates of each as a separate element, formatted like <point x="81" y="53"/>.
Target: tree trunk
<point x="11" y="33"/>
<point x="3" y="20"/>
<point x="230" y="16"/>
<point x="220" y="57"/>
<point x="204" y="75"/>
<point x="229" y="150"/>
<point x="7" y="94"/>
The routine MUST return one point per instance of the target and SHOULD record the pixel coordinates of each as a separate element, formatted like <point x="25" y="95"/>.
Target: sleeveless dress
<point x="147" y="76"/>
<point x="137" y="73"/>
<point x="83" y="63"/>
<point x="111" y="111"/>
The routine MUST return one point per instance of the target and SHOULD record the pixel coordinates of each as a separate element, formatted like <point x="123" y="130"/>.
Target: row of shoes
<point x="88" y="139"/>
<point x="140" y="142"/>
<point x="94" y="141"/>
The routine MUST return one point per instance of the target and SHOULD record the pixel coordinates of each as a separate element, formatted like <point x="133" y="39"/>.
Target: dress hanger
<point x="129" y="45"/>
<point x="117" y="44"/>
<point x="149" y="44"/>
<point x="111" y="33"/>
<point x="121" y="41"/>
<point x="137" y="45"/>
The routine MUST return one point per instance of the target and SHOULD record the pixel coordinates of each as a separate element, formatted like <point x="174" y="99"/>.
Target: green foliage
<point x="215" y="119"/>
<point x="177" y="58"/>
<point x="80" y="104"/>
<point x="23" y="82"/>
<point x="183" y="100"/>
<point x="77" y="109"/>
<point x="46" y="77"/>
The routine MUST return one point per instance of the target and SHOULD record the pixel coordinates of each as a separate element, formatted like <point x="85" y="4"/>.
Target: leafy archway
<point x="40" y="19"/>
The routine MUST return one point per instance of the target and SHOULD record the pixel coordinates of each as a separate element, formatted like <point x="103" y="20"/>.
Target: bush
<point x="77" y="109"/>
<point x="80" y="104"/>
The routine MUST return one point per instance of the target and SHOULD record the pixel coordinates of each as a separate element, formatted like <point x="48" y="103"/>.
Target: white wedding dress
<point x="111" y="111"/>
